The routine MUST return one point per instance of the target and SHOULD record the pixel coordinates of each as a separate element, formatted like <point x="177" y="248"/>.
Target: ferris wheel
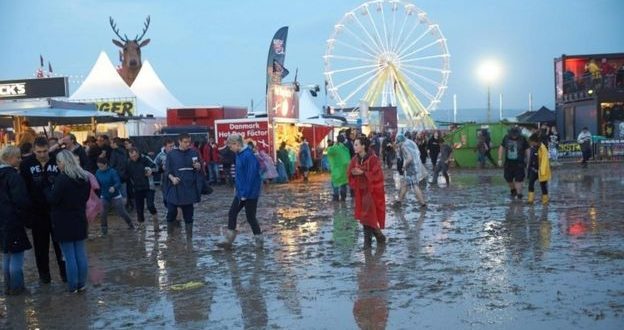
<point x="388" y="52"/>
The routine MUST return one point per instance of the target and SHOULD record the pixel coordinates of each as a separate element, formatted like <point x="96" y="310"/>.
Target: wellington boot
<point x="379" y="236"/>
<point x="545" y="200"/>
<point x="368" y="237"/>
<point x="531" y="197"/>
<point x="227" y="241"/>
<point x="259" y="241"/>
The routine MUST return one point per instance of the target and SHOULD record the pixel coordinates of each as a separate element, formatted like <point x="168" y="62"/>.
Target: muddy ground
<point x="472" y="259"/>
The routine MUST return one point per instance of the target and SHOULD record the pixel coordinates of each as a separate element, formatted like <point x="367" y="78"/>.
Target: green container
<point x="464" y="142"/>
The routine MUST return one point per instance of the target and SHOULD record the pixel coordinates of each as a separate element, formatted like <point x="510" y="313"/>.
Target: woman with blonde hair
<point x="13" y="201"/>
<point x="68" y="201"/>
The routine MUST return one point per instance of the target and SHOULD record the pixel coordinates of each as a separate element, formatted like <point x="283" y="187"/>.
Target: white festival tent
<point x="103" y="83"/>
<point x="150" y="89"/>
<point x="310" y="113"/>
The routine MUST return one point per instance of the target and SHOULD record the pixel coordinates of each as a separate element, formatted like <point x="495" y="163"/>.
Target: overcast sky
<point x="214" y="52"/>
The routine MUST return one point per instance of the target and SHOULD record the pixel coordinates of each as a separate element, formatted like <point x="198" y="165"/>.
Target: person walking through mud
<point x="433" y="146"/>
<point x="538" y="169"/>
<point x="248" y="185"/>
<point x="68" y="203"/>
<point x="140" y="170"/>
<point x="305" y="159"/>
<point x="367" y="180"/>
<point x="585" y="139"/>
<point x="14" y="201"/>
<point x="110" y="194"/>
<point x="38" y="171"/>
<point x="514" y="148"/>
<point x="443" y="162"/>
<point x="184" y="185"/>
<point x="413" y="170"/>
<point x="338" y="156"/>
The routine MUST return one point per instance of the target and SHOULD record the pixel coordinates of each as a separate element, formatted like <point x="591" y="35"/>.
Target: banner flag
<point x="275" y="61"/>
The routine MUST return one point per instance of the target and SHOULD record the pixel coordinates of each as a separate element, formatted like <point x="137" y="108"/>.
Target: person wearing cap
<point x="514" y="148"/>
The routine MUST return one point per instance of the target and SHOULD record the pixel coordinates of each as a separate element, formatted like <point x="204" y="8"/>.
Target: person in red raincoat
<point x="367" y="181"/>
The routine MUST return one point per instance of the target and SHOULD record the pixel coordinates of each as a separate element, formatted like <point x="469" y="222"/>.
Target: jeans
<point x="213" y="172"/>
<point x="187" y="212"/>
<point x="250" y="205"/>
<point x="14" y="270"/>
<point x="140" y="196"/>
<point x="75" y="253"/>
<point x="41" y="232"/>
<point x="117" y="203"/>
<point x="340" y="191"/>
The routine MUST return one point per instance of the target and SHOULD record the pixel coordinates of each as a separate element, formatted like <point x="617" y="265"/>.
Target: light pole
<point x="489" y="71"/>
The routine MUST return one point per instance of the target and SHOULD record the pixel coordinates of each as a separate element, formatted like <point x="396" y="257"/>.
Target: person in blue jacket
<point x="110" y="193"/>
<point x="305" y="158"/>
<point x="248" y="183"/>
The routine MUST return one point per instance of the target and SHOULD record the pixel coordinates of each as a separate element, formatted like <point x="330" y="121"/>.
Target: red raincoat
<point x="370" y="197"/>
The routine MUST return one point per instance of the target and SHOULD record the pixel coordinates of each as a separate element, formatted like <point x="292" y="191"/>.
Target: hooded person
<point x="339" y="158"/>
<point x="413" y="170"/>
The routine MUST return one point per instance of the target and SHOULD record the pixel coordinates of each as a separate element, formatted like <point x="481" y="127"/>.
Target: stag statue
<point x="131" y="58"/>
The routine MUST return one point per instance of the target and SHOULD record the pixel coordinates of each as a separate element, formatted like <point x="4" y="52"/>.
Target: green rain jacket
<point x="339" y="158"/>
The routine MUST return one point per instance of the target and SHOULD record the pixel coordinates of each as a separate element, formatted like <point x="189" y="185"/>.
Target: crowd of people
<point x="57" y="187"/>
<point x="112" y="173"/>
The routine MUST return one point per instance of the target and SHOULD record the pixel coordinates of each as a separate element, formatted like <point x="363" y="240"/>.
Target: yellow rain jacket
<point x="544" y="164"/>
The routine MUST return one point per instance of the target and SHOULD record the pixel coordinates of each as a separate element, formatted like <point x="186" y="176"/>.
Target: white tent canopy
<point x="103" y="82"/>
<point x="310" y="113"/>
<point x="150" y="89"/>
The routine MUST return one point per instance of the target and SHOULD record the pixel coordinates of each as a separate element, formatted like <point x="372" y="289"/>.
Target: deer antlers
<point x="145" y="27"/>
<point x="125" y="37"/>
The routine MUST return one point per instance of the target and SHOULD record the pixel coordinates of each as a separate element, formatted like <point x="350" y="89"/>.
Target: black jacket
<point x="13" y="201"/>
<point x="92" y="155"/>
<point x="68" y="203"/>
<point x="136" y="173"/>
<point x="119" y="161"/>
<point x="38" y="177"/>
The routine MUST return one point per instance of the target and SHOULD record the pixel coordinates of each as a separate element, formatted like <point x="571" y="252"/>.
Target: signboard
<point x="33" y="88"/>
<point x="283" y="102"/>
<point x="250" y="129"/>
<point x="122" y="108"/>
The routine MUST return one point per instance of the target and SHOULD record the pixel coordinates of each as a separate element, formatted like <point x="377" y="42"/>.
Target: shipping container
<point x="203" y="115"/>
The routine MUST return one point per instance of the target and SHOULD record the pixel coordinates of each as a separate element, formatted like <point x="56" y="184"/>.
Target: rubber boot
<point x="259" y="241"/>
<point x="368" y="237"/>
<point x="531" y="197"/>
<point x="188" y="229"/>
<point x="379" y="236"/>
<point x="545" y="199"/>
<point x="155" y="222"/>
<point x="227" y="241"/>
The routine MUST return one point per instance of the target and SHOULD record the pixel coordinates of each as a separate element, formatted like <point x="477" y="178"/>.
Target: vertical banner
<point x="275" y="61"/>
<point x="283" y="102"/>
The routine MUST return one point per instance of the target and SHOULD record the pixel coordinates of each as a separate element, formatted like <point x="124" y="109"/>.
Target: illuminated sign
<point x="33" y="88"/>
<point x="122" y="108"/>
<point x="283" y="102"/>
<point x="250" y="129"/>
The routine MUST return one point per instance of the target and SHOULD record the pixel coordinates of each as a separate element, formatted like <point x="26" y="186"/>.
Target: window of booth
<point x="612" y="120"/>
<point x="592" y="73"/>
